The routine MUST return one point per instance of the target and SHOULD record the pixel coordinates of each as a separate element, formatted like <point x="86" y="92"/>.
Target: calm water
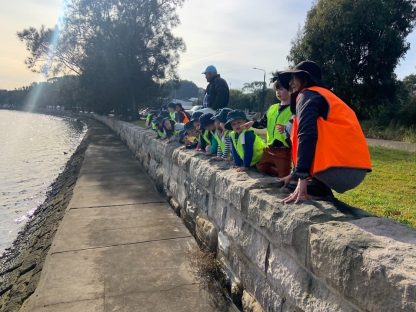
<point x="33" y="151"/>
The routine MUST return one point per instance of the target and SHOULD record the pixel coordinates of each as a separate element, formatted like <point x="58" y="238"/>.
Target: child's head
<point x="197" y="125"/>
<point x="217" y="125"/>
<point x="195" y="120"/>
<point x="235" y="119"/>
<point x="281" y="85"/>
<point x="206" y="122"/>
<point x="221" y="118"/>
<point x="178" y="107"/>
<point x="167" y="124"/>
<point x="171" y="107"/>
<point x="236" y="125"/>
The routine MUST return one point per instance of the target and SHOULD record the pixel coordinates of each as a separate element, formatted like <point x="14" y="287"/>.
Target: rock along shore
<point x="21" y="264"/>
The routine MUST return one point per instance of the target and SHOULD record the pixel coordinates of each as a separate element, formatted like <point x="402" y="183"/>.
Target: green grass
<point x="140" y="123"/>
<point x="390" y="190"/>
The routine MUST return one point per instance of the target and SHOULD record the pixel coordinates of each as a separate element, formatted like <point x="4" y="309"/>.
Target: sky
<point x="233" y="35"/>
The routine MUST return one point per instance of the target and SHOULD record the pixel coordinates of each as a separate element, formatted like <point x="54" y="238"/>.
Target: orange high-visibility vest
<point x="185" y="118"/>
<point x="341" y="141"/>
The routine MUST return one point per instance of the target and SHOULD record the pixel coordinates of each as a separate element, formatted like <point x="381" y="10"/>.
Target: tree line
<point x="117" y="55"/>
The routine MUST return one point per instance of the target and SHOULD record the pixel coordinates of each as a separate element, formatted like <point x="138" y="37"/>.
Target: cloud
<point x="234" y="35"/>
<point x="237" y="35"/>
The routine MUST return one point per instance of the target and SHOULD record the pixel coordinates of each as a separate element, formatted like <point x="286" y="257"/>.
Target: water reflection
<point x="33" y="151"/>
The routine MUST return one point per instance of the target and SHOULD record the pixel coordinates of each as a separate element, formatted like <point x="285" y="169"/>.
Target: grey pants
<point x="341" y="179"/>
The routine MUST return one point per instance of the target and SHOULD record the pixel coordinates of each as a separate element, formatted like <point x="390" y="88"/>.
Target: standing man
<point x="217" y="93"/>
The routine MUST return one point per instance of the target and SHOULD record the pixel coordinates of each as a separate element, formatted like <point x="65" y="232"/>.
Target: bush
<point x="393" y="131"/>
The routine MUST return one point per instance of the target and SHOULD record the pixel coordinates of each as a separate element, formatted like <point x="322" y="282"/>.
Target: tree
<point x="255" y="88"/>
<point x="181" y="89"/>
<point x="358" y="43"/>
<point x="121" y="49"/>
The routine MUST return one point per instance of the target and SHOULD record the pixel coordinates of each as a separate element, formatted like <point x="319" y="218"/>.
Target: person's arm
<point x="227" y="148"/>
<point x="310" y="107"/>
<point x="248" y="148"/>
<point x="221" y="95"/>
<point x="261" y="124"/>
<point x="237" y="160"/>
<point x="202" y="144"/>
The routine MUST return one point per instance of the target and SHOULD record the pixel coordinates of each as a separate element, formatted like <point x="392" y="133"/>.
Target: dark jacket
<point x="217" y="93"/>
<point x="310" y="106"/>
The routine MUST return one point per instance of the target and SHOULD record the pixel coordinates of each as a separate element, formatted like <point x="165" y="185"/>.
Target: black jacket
<point x="310" y="106"/>
<point x="217" y="93"/>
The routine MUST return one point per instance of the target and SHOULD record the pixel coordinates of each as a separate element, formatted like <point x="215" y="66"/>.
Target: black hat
<point x="283" y="79"/>
<point x="309" y="68"/>
<point x="221" y="115"/>
<point x="195" y="116"/>
<point x="234" y="115"/>
<point x="206" y="120"/>
<point x="172" y="105"/>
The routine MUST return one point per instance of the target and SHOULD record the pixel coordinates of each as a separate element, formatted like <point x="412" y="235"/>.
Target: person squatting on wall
<point x="328" y="145"/>
<point x="310" y="128"/>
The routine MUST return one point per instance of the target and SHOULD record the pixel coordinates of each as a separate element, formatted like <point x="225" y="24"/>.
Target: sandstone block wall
<point x="307" y="257"/>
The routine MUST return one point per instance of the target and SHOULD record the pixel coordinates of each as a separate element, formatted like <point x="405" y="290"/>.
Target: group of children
<point x="229" y="135"/>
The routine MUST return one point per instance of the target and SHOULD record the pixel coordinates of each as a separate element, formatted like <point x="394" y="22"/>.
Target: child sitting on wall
<point x="172" y="112"/>
<point x="247" y="146"/>
<point x="159" y="128"/>
<point x="207" y="143"/>
<point x="189" y="136"/>
<point x="171" y="130"/>
<point x="222" y="135"/>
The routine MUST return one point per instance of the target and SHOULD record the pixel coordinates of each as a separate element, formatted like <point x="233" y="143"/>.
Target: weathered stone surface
<point x="307" y="257"/>
<point x="206" y="233"/>
<point x="362" y="265"/>
<point x="250" y="304"/>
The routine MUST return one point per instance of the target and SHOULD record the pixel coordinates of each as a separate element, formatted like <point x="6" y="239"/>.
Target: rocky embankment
<point x="21" y="264"/>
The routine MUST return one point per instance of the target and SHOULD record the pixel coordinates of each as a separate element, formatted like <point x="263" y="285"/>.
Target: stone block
<point x="375" y="272"/>
<point x="206" y="233"/>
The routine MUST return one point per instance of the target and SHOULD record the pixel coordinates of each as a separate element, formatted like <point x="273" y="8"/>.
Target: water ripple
<point x="33" y="151"/>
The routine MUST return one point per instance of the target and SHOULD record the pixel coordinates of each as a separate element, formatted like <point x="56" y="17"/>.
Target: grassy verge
<point x="390" y="190"/>
<point x="140" y="123"/>
<point x="392" y="131"/>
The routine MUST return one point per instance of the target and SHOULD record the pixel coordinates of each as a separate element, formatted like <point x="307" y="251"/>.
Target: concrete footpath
<point x="119" y="247"/>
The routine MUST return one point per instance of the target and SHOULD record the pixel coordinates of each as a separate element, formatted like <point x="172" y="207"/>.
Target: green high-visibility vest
<point x="221" y="140"/>
<point x="161" y="134"/>
<point x="258" y="147"/>
<point x="154" y="125"/>
<point x="205" y="136"/>
<point x="274" y="118"/>
<point x="148" y="117"/>
<point x="173" y="116"/>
